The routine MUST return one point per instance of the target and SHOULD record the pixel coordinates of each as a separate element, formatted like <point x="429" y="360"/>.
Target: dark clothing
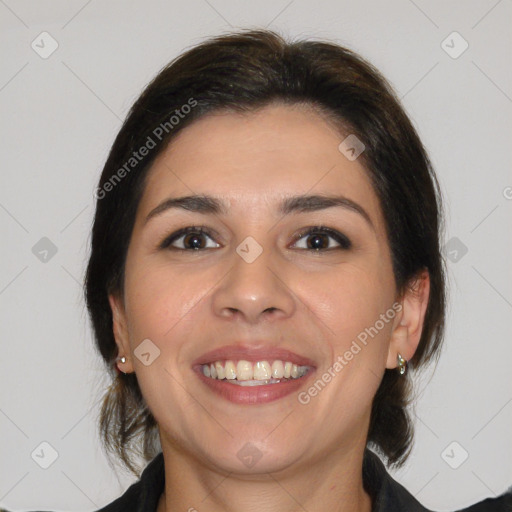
<point x="386" y="493"/>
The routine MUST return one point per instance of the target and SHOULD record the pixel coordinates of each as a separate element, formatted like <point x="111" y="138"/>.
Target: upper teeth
<point x="260" y="370"/>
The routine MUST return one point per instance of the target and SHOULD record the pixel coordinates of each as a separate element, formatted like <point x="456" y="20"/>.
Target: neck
<point x="332" y="483"/>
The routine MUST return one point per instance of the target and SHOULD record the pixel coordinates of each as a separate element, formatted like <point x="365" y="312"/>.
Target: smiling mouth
<point x="259" y="373"/>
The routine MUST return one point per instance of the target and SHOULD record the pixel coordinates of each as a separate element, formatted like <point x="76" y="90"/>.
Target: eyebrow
<point x="209" y="205"/>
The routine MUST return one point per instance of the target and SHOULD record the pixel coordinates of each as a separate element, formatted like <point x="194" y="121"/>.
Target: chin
<point x="251" y="456"/>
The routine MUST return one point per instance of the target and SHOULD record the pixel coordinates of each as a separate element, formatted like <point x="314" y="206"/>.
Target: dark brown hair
<point x="241" y="72"/>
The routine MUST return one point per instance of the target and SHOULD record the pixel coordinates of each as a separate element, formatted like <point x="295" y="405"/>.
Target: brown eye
<point x="191" y="238"/>
<point x="318" y="239"/>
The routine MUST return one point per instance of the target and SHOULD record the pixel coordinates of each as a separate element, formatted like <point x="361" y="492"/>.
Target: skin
<point x="188" y="303"/>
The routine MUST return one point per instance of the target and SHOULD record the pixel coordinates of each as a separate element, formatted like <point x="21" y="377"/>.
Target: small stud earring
<point x="119" y="360"/>
<point x="402" y="364"/>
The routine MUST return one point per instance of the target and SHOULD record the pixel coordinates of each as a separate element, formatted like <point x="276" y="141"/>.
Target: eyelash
<point x="344" y="242"/>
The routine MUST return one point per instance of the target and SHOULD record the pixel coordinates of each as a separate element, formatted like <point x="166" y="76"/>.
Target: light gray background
<point x="59" y="117"/>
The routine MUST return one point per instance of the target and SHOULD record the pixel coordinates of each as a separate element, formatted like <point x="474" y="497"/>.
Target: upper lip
<point x="253" y="354"/>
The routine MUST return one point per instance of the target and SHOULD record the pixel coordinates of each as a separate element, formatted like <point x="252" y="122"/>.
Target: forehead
<point x="254" y="160"/>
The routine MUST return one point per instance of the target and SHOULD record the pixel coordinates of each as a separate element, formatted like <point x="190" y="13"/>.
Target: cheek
<point x="158" y="299"/>
<point x="349" y="301"/>
<point x="159" y="303"/>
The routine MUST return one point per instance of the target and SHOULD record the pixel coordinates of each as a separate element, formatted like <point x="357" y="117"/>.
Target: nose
<point x="252" y="291"/>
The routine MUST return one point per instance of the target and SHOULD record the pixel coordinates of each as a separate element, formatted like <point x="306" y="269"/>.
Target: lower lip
<point x="250" y="395"/>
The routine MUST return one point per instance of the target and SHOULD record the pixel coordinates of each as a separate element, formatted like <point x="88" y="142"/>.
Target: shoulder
<point x="501" y="503"/>
<point x="390" y="496"/>
<point x="143" y="495"/>
<point x="386" y="493"/>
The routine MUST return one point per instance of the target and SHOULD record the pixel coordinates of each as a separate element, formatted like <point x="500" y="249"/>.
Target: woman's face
<point x="258" y="289"/>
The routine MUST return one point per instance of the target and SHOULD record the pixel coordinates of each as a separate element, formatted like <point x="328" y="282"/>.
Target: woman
<point x="265" y="271"/>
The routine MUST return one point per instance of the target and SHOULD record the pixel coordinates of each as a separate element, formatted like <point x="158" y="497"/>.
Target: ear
<point x="120" y="327"/>
<point x="408" y="324"/>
